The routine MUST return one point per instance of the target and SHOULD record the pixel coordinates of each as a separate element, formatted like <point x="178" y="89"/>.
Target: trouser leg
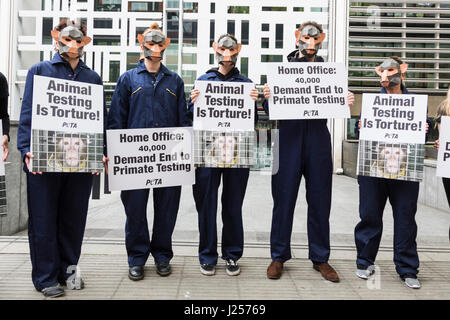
<point x="137" y="238"/>
<point x="403" y="198"/>
<point x="166" y="202"/>
<point x="205" y="195"/>
<point x="42" y="197"/>
<point x="372" y="200"/>
<point x="233" y="193"/>
<point x="73" y="209"/>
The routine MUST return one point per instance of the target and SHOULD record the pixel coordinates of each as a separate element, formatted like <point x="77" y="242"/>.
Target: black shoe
<point x="208" y="269"/>
<point x="233" y="268"/>
<point x="54" y="291"/>
<point x="136" y="273"/>
<point x="163" y="269"/>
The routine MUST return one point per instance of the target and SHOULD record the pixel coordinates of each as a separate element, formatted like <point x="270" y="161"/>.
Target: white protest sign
<point x="2" y="164"/>
<point x="224" y="106"/>
<point x="443" y="159"/>
<point x="150" y="158"/>
<point x="308" y="90"/>
<point x="69" y="106"/>
<point x="397" y="118"/>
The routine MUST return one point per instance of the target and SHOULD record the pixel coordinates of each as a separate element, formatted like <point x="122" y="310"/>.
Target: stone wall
<point x="16" y="218"/>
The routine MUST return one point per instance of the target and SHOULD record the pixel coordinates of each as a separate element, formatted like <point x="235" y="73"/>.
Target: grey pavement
<point x="104" y="265"/>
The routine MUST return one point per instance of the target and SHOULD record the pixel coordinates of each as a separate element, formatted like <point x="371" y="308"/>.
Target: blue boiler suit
<point x="205" y="190"/>
<point x="57" y="202"/>
<point x="141" y="101"/>
<point x="304" y="150"/>
<point x="403" y="195"/>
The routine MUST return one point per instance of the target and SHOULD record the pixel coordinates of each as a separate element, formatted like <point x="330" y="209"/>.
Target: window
<point x="212" y="28"/>
<point x="245" y="26"/>
<point x="47" y="26"/>
<point x="231" y="27"/>
<point x="274" y="9"/>
<point x="271" y="58"/>
<point x="107" y="5"/>
<point x="150" y="6"/>
<point x="190" y="33"/>
<point x="264" y="43"/>
<point x="265" y="27"/>
<point x="279" y="36"/>
<point x="244" y="66"/>
<point x="103" y="23"/>
<point x="239" y="9"/>
<point x="213" y="7"/>
<point x="106" y="40"/>
<point x="190" y="7"/>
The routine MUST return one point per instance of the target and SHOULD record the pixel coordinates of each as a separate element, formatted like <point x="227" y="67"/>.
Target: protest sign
<point x="2" y="164"/>
<point x="3" y="206"/>
<point x="308" y="91"/>
<point x="394" y="118"/>
<point x="443" y="159"/>
<point x="150" y="158"/>
<point x="401" y="161"/>
<point x="225" y="106"/>
<point x="218" y="149"/>
<point x="67" y="126"/>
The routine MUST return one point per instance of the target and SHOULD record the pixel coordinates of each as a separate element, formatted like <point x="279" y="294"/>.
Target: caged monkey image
<point x="391" y="161"/>
<point x="223" y="151"/>
<point x="70" y="153"/>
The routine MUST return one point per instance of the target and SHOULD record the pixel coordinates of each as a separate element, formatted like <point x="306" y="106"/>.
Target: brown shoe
<point x="275" y="270"/>
<point x="327" y="271"/>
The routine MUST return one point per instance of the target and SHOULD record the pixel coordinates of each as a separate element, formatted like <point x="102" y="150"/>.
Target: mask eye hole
<point x="68" y="39"/>
<point x="79" y="41"/>
<point x="307" y="37"/>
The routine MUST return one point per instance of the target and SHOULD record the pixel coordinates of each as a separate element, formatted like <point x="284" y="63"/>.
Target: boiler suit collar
<point x="141" y="68"/>
<point x="58" y="59"/>
<point x="404" y="90"/>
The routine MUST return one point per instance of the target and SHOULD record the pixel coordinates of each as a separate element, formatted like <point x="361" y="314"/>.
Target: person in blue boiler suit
<point x="403" y="195"/>
<point x="235" y="180"/>
<point x="149" y="96"/>
<point x="304" y="150"/>
<point x="57" y="202"/>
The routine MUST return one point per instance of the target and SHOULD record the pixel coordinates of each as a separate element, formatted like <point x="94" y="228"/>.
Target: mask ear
<point x="403" y="67"/>
<point x="214" y="45"/>
<point x="239" y="48"/>
<point x="297" y="34"/>
<point x="55" y="35"/>
<point x="140" y="38"/>
<point x="378" y="71"/>
<point x="322" y="37"/>
<point x="86" y="40"/>
<point x="167" y="43"/>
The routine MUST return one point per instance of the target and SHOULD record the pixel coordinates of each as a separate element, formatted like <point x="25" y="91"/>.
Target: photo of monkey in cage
<point x="224" y="149"/>
<point x="67" y="152"/>
<point x="391" y="161"/>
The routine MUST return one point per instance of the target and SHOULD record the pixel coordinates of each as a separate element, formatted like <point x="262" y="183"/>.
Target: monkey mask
<point x="391" y="72"/>
<point x="309" y="38"/>
<point x="227" y="50"/>
<point x="71" y="41"/>
<point x="154" y="44"/>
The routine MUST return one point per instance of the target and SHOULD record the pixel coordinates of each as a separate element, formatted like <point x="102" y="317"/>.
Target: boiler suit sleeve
<point x="120" y="107"/>
<point x="24" y="130"/>
<point x="184" y="117"/>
